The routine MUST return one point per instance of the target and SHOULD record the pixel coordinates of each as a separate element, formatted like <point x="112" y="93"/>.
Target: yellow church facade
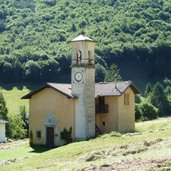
<point x="84" y="108"/>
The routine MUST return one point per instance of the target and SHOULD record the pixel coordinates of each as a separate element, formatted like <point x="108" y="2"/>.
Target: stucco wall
<point x="49" y="101"/>
<point x="120" y="117"/>
<point x="126" y="115"/>
<point x="111" y="118"/>
<point x="2" y="132"/>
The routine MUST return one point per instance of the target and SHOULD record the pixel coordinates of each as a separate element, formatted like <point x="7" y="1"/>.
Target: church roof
<point x="113" y="88"/>
<point x="82" y="38"/>
<point x="65" y="89"/>
<point x="101" y="89"/>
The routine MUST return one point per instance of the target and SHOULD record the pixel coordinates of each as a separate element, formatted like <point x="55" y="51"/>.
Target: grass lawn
<point x="13" y="93"/>
<point x="146" y="148"/>
<point x="13" y="99"/>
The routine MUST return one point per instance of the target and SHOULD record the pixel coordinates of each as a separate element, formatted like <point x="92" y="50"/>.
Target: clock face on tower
<point x="78" y="76"/>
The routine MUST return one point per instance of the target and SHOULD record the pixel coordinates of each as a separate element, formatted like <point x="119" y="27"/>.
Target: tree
<point x="16" y="127"/>
<point x="3" y="108"/>
<point x="73" y="28"/>
<point x="7" y="68"/>
<point x="168" y="90"/>
<point x="32" y="71"/>
<point x="148" y="111"/>
<point x="148" y="90"/>
<point x="138" y="113"/>
<point x="24" y="117"/>
<point x="100" y="73"/>
<point x="112" y="74"/>
<point x="17" y="68"/>
<point x="159" y="99"/>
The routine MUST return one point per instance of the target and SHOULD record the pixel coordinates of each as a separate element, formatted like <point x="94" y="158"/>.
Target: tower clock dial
<point x="78" y="76"/>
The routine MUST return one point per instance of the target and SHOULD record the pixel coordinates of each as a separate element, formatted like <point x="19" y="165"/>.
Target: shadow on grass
<point x="40" y="149"/>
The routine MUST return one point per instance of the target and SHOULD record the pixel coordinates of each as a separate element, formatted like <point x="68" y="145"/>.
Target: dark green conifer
<point x="3" y="108"/>
<point x="159" y="99"/>
<point x="112" y="74"/>
<point x="148" y="89"/>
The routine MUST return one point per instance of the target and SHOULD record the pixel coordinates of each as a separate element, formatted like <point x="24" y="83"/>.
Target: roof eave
<point x="131" y="85"/>
<point x="75" y="41"/>
<point x="29" y="95"/>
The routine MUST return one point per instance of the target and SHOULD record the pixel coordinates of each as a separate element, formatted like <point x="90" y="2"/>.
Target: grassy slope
<point x="13" y="99"/>
<point x="13" y="93"/>
<point x="73" y="156"/>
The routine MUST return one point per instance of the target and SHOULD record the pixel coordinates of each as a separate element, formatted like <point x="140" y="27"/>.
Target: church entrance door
<point x="50" y="136"/>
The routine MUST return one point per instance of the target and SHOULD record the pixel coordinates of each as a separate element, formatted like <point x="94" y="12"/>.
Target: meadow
<point x="12" y="94"/>
<point x="148" y="148"/>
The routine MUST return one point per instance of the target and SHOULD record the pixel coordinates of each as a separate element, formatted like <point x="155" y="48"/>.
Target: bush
<point x="148" y="111"/>
<point x="15" y="127"/>
<point x="138" y="113"/>
<point x="67" y="135"/>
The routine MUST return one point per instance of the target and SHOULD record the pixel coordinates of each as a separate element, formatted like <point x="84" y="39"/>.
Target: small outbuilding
<point x="2" y="130"/>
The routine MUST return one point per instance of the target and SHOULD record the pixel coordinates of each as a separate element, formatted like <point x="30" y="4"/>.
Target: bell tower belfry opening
<point x="83" y="86"/>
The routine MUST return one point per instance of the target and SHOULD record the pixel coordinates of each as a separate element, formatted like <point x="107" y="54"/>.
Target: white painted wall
<point x="2" y="132"/>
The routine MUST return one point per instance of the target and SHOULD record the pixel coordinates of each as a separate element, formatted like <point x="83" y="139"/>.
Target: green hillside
<point x="134" y="34"/>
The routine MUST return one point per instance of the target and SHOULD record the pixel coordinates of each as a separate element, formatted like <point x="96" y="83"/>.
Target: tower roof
<point x="82" y="38"/>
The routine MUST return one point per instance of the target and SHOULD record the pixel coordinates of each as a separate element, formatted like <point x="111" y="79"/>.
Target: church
<point x="82" y="109"/>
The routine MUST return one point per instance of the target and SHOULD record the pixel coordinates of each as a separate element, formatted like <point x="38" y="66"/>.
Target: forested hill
<point x="134" y="34"/>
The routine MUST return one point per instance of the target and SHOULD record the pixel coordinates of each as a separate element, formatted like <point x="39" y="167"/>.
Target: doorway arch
<point x="50" y="124"/>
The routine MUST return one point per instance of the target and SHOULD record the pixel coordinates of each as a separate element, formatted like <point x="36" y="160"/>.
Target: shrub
<point x="67" y="135"/>
<point x="16" y="127"/>
<point x="138" y="113"/>
<point x="148" y="111"/>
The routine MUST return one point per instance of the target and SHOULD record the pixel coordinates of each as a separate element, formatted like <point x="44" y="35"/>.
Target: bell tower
<point x="83" y="86"/>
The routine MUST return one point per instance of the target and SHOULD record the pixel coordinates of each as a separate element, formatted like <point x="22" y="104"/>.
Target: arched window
<point x="79" y="57"/>
<point x="50" y="120"/>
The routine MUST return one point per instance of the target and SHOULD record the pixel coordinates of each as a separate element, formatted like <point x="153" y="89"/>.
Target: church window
<point x="38" y="134"/>
<point x="126" y="99"/>
<point x="79" y="57"/>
